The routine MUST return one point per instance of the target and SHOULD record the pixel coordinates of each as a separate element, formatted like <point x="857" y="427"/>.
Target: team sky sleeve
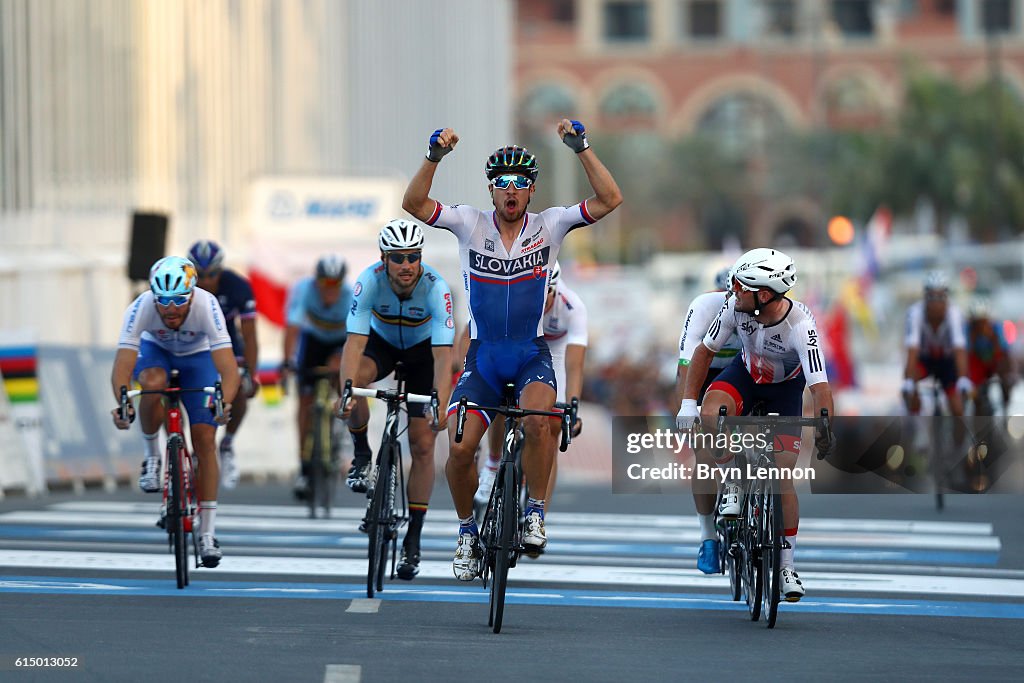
<point x="912" y="339"/>
<point x="577" y="330"/>
<point x="808" y="346"/>
<point x="295" y="313"/>
<point x="699" y="317"/>
<point x="363" y="296"/>
<point x="136" y="319"/>
<point x="215" y="326"/>
<point x="722" y="327"/>
<point x="956" y="322"/>
<point x="563" y="219"/>
<point x="442" y="323"/>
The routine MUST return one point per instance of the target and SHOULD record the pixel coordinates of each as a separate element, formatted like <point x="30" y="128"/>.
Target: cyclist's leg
<point x="197" y="371"/>
<point x="376" y="363"/>
<point x="704" y="493"/>
<point x="239" y="406"/>
<point x="555" y="426"/>
<point x="311" y="354"/>
<point x="487" y="466"/>
<point x="152" y="368"/>
<point x="419" y="375"/>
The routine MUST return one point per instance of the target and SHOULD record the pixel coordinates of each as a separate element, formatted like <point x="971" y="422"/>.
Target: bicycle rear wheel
<point x="730" y="556"/>
<point x="750" y="557"/>
<point x="317" y="476"/>
<point x="177" y="509"/>
<point x="508" y="524"/>
<point x="771" y="548"/>
<point x="376" y="529"/>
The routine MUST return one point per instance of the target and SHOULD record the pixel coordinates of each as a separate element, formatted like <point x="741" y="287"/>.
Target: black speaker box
<point x="149" y="241"/>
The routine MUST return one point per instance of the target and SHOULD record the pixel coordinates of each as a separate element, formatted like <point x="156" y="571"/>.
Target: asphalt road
<point x="895" y="590"/>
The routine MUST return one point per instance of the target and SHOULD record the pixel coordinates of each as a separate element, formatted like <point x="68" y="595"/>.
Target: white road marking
<point x="541" y="572"/>
<point x="343" y="673"/>
<point x="364" y="606"/>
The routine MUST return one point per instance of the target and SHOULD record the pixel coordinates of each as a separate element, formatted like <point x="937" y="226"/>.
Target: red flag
<point x="271" y="297"/>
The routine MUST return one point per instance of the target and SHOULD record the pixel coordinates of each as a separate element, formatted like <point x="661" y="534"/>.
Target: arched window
<point x="741" y="123"/>
<point x="546" y="102"/>
<point x="629" y="100"/>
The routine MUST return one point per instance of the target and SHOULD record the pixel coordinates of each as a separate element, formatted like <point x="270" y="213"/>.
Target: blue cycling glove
<point x="435" y="149"/>
<point x="577" y="140"/>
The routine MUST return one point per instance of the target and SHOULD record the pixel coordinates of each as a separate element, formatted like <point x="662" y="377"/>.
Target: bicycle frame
<point x="318" y="448"/>
<point x="384" y="517"/>
<point x="179" y="492"/>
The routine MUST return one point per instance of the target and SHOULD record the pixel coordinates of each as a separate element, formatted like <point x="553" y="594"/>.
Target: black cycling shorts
<point x="417" y="363"/>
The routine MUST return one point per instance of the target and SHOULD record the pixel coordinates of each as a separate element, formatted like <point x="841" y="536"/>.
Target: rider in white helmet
<point x="401" y="313"/>
<point x="781" y="354"/>
<point x="177" y="326"/>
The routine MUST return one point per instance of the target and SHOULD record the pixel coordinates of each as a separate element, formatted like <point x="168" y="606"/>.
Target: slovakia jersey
<point x="565" y="323"/>
<point x="204" y="328"/>
<point x="307" y="311"/>
<point x="426" y="314"/>
<point x="702" y="312"/>
<point x="773" y="353"/>
<point x="506" y="288"/>
<point x="935" y="342"/>
<point x="234" y="293"/>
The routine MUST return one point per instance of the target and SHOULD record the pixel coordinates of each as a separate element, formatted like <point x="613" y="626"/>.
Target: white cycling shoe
<point x="483" y="489"/>
<point x="790" y="586"/>
<point x="468" y="554"/>
<point x="149" y="479"/>
<point x="729" y="506"/>
<point x="535" y="538"/>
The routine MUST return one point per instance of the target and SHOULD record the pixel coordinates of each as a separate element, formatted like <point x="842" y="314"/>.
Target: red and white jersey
<point x="566" y="322"/>
<point x="204" y="329"/>
<point x="935" y="342"/>
<point x="702" y="312"/>
<point x="772" y="353"/>
<point x="506" y="288"/>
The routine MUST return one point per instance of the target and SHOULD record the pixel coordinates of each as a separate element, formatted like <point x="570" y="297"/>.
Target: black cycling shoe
<point x="410" y="565"/>
<point x="358" y="474"/>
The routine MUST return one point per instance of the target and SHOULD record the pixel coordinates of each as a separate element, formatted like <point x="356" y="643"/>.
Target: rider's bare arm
<point x="121" y="374"/>
<point x="698" y="371"/>
<point x="227" y="367"/>
<point x="442" y="381"/>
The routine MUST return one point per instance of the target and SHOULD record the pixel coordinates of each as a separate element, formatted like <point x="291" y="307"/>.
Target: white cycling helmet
<point x="400" y="234"/>
<point x="979" y="309"/>
<point x="331" y="267"/>
<point x="723" y="279"/>
<point x="556" y="275"/>
<point x="172" y="276"/>
<point x="765" y="269"/>
<point x="936" y="281"/>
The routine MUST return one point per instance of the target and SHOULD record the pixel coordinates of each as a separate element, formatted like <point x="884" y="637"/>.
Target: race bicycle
<point x="321" y="446"/>
<point x="751" y="545"/>
<point x="502" y="530"/>
<point x="178" y="514"/>
<point x="387" y="510"/>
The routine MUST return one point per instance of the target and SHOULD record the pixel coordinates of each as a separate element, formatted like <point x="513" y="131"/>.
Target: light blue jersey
<point x="403" y="323"/>
<point x="307" y="311"/>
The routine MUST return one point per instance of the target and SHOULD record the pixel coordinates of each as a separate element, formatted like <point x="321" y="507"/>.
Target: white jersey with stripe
<point x="506" y="289"/>
<point x="935" y="342"/>
<point x="564" y="324"/>
<point x="702" y="312"/>
<point x="772" y="353"/>
<point x="204" y="328"/>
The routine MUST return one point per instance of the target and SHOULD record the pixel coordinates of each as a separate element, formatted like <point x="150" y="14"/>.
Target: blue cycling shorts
<point x="194" y="371"/>
<point x="490" y="365"/>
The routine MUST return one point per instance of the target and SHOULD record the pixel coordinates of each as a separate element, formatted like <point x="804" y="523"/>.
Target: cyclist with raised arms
<point x="699" y="316"/>
<point x="507" y="255"/>
<point x="317" y="309"/>
<point x="565" y="333"/>
<point x="402" y="312"/>
<point x="936" y="347"/>
<point x="175" y="326"/>
<point x="781" y="354"/>
<point x="234" y="293"/>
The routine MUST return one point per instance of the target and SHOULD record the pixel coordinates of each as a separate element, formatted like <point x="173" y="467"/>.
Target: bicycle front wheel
<point x="508" y="524"/>
<point x="771" y="548"/>
<point x="177" y="508"/>
<point x="751" y="552"/>
<point x="376" y="527"/>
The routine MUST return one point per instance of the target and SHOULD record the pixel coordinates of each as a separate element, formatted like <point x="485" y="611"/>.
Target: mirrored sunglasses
<point x="176" y="300"/>
<point x="520" y="181"/>
<point x="738" y="287"/>
<point x="402" y="258"/>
